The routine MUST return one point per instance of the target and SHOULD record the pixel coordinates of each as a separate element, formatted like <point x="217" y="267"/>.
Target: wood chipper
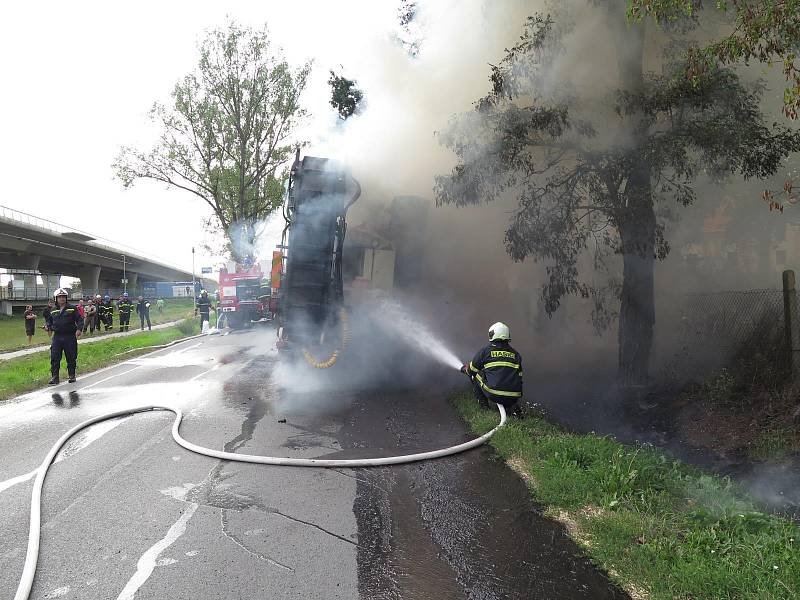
<point x="312" y="321"/>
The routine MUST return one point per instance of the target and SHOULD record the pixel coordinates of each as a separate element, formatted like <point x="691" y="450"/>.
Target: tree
<point x="226" y="136"/>
<point x="583" y="193"/>
<point x="764" y="30"/>
<point x="346" y="98"/>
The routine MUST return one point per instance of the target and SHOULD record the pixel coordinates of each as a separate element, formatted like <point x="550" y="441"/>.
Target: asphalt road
<point x="127" y="513"/>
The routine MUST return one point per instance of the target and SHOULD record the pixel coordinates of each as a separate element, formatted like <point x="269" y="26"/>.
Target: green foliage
<point x="764" y="30"/>
<point x="655" y="523"/>
<point x="226" y="137"/>
<point x="537" y="136"/>
<point x="574" y="189"/>
<point x="346" y="98"/>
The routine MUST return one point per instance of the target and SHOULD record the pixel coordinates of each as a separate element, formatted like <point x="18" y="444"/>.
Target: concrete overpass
<point x="34" y="245"/>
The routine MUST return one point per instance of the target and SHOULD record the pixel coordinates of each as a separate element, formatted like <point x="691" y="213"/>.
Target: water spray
<point x="416" y="334"/>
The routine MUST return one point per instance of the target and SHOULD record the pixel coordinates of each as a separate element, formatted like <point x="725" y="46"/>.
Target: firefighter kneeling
<point x="496" y="372"/>
<point x="66" y="324"/>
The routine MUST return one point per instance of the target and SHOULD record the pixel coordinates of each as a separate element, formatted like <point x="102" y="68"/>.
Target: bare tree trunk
<point x="637" y="306"/>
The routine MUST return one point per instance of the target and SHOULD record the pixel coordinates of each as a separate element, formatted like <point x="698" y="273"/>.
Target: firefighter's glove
<point x="465" y="369"/>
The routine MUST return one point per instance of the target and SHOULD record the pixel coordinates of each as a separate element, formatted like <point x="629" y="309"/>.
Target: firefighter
<point x="106" y="313"/>
<point x="66" y="324"/>
<point x="143" y="309"/>
<point x="124" y="308"/>
<point x="203" y="307"/>
<point x="496" y="372"/>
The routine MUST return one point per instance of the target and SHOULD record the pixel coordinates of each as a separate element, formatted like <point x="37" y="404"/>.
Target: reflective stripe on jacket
<point x="498" y="369"/>
<point x="65" y="320"/>
<point x="124" y="307"/>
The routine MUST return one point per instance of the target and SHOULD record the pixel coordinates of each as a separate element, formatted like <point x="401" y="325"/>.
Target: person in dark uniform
<point x="143" y="310"/>
<point x="30" y="322"/>
<point x="124" y="308"/>
<point x="496" y="372"/>
<point x="66" y="324"/>
<point x="106" y="312"/>
<point x="203" y="307"/>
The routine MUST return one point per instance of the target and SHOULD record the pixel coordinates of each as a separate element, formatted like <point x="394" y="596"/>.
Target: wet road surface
<point x="129" y="514"/>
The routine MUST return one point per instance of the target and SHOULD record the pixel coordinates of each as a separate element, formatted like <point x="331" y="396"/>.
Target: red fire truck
<point x="244" y="295"/>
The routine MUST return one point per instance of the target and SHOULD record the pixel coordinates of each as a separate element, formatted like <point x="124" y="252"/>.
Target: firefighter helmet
<point x="125" y="294"/>
<point x="499" y="331"/>
<point x="60" y="292"/>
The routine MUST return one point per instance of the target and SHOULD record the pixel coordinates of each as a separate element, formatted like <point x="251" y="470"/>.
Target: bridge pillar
<point x="133" y="280"/>
<point x="30" y="261"/>
<point x="90" y="279"/>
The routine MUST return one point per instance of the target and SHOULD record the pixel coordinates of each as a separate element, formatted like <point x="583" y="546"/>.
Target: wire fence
<point x="700" y="333"/>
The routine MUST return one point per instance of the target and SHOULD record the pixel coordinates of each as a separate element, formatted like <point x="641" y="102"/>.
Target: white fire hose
<point x="32" y="555"/>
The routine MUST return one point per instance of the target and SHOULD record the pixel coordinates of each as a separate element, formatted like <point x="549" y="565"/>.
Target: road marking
<point x="91" y="385"/>
<point x="199" y="375"/>
<point x="4" y="485"/>
<point x="147" y="562"/>
<point x="95" y="432"/>
<point x="58" y="592"/>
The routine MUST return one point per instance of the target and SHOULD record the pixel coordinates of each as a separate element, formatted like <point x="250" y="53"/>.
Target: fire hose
<point x="34" y="531"/>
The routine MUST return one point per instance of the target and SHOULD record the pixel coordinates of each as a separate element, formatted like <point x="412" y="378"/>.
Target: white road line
<point x="147" y="562"/>
<point x="91" y="385"/>
<point x="199" y="375"/>
<point x="90" y="435"/>
<point x="4" y="485"/>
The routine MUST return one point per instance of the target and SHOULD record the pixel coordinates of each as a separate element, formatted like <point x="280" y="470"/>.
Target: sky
<point x="79" y="78"/>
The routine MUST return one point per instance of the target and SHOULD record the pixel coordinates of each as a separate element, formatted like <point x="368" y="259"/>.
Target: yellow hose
<point x="331" y="360"/>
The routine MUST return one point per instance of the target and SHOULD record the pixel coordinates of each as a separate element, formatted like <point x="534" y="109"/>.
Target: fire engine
<point x="244" y="294"/>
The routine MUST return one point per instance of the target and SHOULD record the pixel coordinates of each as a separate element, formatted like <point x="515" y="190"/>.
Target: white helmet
<point x="499" y="331"/>
<point x="60" y="292"/>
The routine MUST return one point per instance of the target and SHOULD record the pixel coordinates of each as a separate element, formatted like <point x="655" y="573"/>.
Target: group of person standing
<point x="65" y="323"/>
<point x="97" y="314"/>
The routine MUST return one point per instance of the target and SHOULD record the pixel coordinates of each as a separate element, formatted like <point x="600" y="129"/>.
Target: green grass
<point x="12" y="329"/>
<point x="655" y="523"/>
<point x="19" y="375"/>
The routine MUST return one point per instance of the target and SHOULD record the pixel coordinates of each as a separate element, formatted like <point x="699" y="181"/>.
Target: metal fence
<point x="39" y="294"/>
<point x="699" y="333"/>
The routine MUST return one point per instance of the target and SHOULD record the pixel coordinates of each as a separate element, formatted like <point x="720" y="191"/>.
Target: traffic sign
<point x="205" y="270"/>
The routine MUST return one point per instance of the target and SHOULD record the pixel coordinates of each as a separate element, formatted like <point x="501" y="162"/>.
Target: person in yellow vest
<point x="124" y="309"/>
<point x="496" y="372"/>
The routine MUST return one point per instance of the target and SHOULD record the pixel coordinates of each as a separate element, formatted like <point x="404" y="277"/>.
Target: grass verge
<point x="12" y="329"/>
<point x="660" y="528"/>
<point x="19" y="375"/>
